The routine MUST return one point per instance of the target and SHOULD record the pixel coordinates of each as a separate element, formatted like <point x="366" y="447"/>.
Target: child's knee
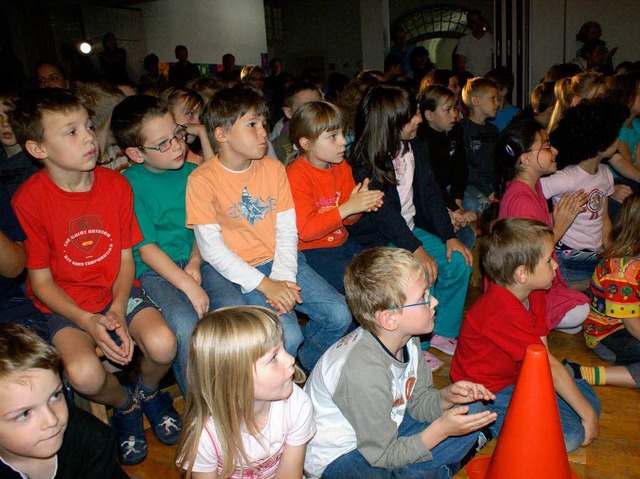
<point x="160" y="345"/>
<point x="85" y="374"/>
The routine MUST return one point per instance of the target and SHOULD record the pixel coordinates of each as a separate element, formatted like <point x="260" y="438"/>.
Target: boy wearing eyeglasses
<point x="377" y="413"/>
<point x="168" y="262"/>
<point x="81" y="229"/>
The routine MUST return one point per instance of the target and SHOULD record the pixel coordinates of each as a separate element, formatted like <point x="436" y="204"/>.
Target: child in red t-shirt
<point x="324" y="192"/>
<point x="517" y="256"/>
<point x="80" y="229"/>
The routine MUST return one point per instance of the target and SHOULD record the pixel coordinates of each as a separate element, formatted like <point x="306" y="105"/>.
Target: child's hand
<point x="361" y="200"/>
<point x="568" y="207"/>
<point x="470" y="216"/>
<point x="281" y="295"/>
<point x="456" y="421"/>
<point x="457" y="220"/>
<point x="463" y="392"/>
<point x="428" y="263"/>
<point x="195" y="129"/>
<point x="99" y="328"/>
<point x="455" y="244"/>
<point x="621" y="192"/>
<point x="591" y="429"/>
<point x="198" y="297"/>
<point x="193" y="270"/>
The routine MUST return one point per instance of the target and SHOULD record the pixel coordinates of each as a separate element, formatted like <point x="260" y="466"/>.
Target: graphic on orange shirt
<point x="251" y="208"/>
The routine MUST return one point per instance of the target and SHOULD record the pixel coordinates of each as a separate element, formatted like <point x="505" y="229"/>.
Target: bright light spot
<point x="85" y="48"/>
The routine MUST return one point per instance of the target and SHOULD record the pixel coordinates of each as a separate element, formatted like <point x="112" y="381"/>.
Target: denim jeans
<point x="467" y="236"/>
<point x="327" y="310"/>
<point x="571" y="424"/>
<point x="451" y="286"/>
<point x="475" y="200"/>
<point x="179" y="312"/>
<point x="331" y="263"/>
<point x="20" y="310"/>
<point x="445" y="463"/>
<point x="576" y="264"/>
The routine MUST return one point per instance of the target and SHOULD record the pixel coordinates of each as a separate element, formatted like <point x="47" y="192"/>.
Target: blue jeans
<point x="571" y="424"/>
<point x="329" y="316"/>
<point x="20" y="310"/>
<point x="331" y="263"/>
<point x="467" y="236"/>
<point x="576" y="264"/>
<point x="445" y="463"/>
<point x="622" y="349"/>
<point x="475" y="200"/>
<point x="179" y="312"/>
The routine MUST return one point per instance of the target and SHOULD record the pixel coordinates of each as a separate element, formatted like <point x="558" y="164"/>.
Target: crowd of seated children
<point x="480" y="95"/>
<point x="517" y="257"/>
<point x="81" y="269"/>
<point x="242" y="211"/>
<point x="241" y="230"/>
<point x="325" y="195"/>
<point x="413" y="215"/>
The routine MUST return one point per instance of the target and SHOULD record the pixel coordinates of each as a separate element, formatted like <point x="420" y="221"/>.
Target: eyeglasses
<point x="427" y="301"/>
<point x="180" y="134"/>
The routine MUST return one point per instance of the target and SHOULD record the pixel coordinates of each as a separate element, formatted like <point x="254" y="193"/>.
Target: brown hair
<point x="625" y="233"/>
<point x="21" y="349"/>
<point x="511" y="243"/>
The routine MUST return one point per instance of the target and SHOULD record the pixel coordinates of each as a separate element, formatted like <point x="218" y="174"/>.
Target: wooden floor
<point x="614" y="455"/>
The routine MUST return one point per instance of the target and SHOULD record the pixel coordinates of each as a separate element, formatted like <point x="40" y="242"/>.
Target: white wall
<point x="620" y="21"/>
<point x="208" y="28"/>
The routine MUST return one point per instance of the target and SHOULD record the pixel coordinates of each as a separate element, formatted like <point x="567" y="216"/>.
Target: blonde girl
<point x="571" y="91"/>
<point x="325" y="195"/>
<point x="245" y="416"/>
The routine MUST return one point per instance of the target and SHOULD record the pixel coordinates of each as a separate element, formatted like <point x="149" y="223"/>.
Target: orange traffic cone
<point x="531" y="444"/>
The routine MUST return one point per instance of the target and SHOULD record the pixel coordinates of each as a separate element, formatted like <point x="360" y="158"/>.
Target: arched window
<point x="437" y="28"/>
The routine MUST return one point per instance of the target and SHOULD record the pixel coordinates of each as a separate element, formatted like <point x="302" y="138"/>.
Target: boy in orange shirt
<point x="240" y="206"/>
<point x="324" y="191"/>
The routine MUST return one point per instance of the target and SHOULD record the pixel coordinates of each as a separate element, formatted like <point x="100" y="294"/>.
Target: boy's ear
<point x="134" y="153"/>
<point x="386" y="319"/>
<point x="428" y="114"/>
<point x="35" y="149"/>
<point x="475" y="100"/>
<point x="287" y="112"/>
<point x="521" y="275"/>
<point x="220" y="135"/>
<point x="305" y="143"/>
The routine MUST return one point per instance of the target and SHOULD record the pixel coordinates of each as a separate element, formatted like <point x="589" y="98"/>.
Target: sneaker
<point x="433" y="362"/>
<point x="129" y="427"/>
<point x="164" y="419"/>
<point x="444" y="344"/>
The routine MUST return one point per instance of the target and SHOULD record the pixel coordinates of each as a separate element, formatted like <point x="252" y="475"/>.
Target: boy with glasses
<point x="376" y="411"/>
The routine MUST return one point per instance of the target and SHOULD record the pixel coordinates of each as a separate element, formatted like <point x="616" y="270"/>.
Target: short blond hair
<point x="378" y="279"/>
<point x="477" y="87"/>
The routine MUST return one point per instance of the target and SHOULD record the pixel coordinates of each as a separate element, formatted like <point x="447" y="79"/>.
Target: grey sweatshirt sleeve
<point x="424" y="404"/>
<point x="364" y="396"/>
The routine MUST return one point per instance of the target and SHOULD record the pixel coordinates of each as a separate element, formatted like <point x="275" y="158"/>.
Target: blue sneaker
<point x="128" y="424"/>
<point x="164" y="419"/>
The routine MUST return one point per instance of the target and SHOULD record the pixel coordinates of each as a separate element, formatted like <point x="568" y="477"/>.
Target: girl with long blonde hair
<point x="244" y="415"/>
